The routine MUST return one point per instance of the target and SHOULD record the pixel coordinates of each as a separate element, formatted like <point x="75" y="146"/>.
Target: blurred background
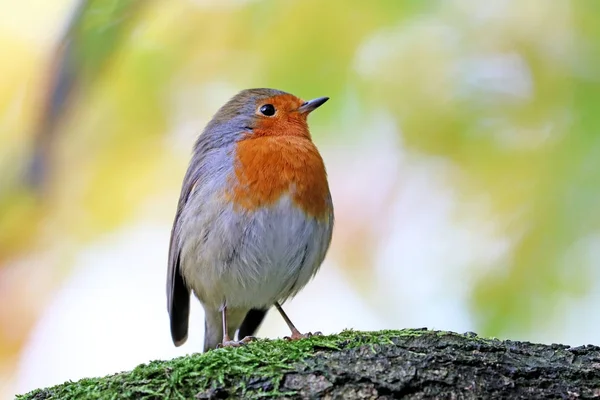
<point x="462" y="141"/>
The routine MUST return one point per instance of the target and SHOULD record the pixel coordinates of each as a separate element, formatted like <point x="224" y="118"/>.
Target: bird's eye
<point x="268" y="110"/>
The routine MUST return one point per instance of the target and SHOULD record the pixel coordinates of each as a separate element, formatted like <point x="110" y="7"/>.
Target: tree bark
<point x="411" y="364"/>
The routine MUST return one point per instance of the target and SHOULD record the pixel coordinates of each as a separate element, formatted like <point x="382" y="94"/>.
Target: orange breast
<point x="268" y="167"/>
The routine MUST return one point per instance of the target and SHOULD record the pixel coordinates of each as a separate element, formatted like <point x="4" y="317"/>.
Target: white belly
<point x="248" y="260"/>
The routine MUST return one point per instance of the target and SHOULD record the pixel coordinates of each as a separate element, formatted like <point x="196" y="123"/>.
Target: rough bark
<point x="410" y="364"/>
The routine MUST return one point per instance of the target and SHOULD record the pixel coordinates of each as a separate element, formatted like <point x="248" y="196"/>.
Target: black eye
<point x="268" y="110"/>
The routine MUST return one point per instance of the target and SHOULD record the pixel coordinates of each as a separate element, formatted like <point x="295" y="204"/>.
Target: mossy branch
<point x="411" y="364"/>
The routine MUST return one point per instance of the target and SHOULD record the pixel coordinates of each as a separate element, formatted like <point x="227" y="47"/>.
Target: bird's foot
<point x="236" y="343"/>
<point x="297" y="335"/>
<point x="231" y="343"/>
<point x="248" y="339"/>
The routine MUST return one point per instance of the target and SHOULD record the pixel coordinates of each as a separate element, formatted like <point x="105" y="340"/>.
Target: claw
<point x="236" y="343"/>
<point x="297" y="335"/>
<point x="231" y="343"/>
<point x="248" y="339"/>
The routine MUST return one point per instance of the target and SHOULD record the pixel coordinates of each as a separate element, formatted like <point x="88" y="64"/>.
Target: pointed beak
<point x="312" y="105"/>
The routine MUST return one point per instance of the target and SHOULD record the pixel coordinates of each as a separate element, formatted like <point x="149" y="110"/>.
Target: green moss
<point x="261" y="364"/>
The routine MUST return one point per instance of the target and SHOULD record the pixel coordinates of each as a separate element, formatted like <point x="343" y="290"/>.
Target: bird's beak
<point x="312" y="105"/>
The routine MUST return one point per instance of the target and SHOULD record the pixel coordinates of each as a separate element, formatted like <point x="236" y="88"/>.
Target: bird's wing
<point x="178" y="294"/>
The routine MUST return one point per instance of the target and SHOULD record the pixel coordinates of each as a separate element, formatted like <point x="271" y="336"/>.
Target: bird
<point x="254" y="219"/>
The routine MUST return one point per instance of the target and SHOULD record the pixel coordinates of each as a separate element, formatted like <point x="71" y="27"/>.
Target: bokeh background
<point x="462" y="141"/>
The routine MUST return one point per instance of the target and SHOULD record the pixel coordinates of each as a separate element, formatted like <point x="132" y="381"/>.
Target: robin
<point x="254" y="220"/>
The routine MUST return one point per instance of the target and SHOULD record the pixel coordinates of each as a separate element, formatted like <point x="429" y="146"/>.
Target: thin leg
<point x="227" y="341"/>
<point x="295" y="332"/>
<point x="224" y="317"/>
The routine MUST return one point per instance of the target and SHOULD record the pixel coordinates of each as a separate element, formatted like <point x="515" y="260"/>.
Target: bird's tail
<point x="213" y="324"/>
<point x="252" y="322"/>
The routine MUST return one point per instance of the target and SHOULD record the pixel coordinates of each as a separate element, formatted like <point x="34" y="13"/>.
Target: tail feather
<point x="236" y="318"/>
<point x="179" y="308"/>
<point x="252" y="322"/>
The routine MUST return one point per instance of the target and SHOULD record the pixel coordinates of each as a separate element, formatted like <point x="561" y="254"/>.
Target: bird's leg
<point x="227" y="341"/>
<point x="295" y="332"/>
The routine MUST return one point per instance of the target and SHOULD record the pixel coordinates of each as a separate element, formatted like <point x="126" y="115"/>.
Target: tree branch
<point x="410" y="364"/>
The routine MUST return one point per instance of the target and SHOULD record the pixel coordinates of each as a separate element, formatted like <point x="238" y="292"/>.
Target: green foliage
<point x="531" y="154"/>
<point x="560" y="207"/>
<point x="97" y="32"/>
